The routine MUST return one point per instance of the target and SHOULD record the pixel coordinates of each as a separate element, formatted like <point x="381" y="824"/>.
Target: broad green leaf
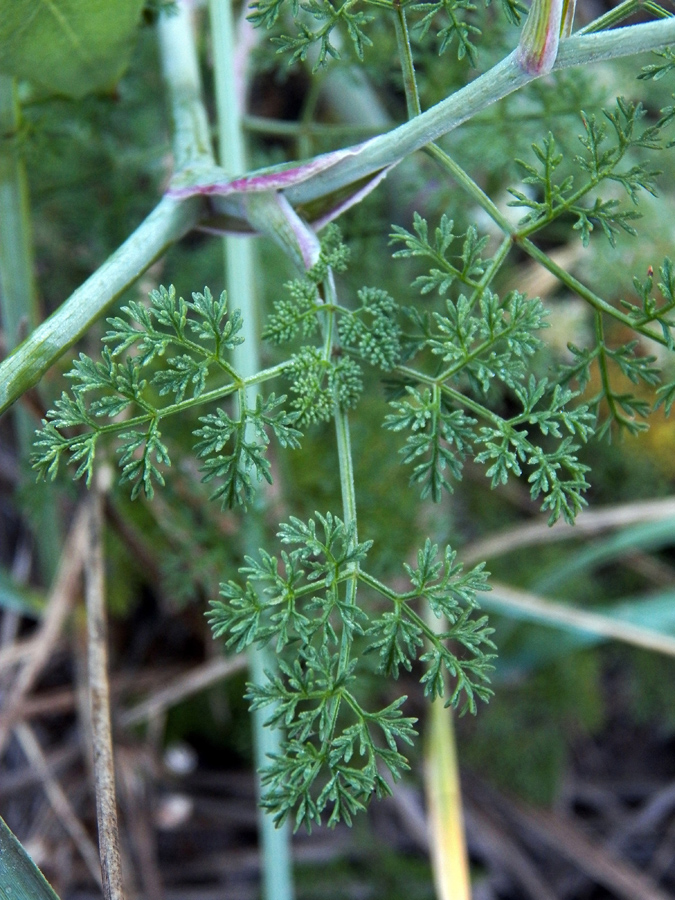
<point x="71" y="47"/>
<point x="20" y="878"/>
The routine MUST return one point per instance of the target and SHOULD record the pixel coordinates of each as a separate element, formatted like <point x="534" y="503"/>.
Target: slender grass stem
<point x="18" y="302"/>
<point x="412" y="97"/>
<point x="240" y="277"/>
<point x="620" y="13"/>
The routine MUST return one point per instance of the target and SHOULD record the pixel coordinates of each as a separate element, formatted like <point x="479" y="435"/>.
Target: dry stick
<point x="565" y="838"/>
<point x="185" y="686"/>
<point x="64" y="700"/>
<point x="58" y="800"/>
<point x="99" y="693"/>
<point x="60" y="600"/>
<point x="590" y="522"/>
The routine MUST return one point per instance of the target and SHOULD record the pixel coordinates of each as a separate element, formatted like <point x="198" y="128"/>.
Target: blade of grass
<point x="530" y="607"/>
<point x="444" y="803"/>
<point x="20" y="878"/>
<point x="589" y="522"/>
<point x="649" y="536"/>
<point x="655" y="613"/>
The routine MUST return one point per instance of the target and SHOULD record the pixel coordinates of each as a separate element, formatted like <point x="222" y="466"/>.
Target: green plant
<point x="467" y="371"/>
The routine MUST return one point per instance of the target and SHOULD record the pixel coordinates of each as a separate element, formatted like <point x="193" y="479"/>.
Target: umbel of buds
<point x="547" y="21"/>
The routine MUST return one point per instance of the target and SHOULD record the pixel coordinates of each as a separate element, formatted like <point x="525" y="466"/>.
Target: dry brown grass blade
<point x="99" y="692"/>
<point x="15" y="653"/>
<point x="198" y="679"/>
<point x="61" y="598"/>
<point x="587" y="523"/>
<point x="549" y="612"/>
<point x="58" y="800"/>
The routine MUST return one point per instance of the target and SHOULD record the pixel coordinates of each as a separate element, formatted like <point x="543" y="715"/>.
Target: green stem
<point x="469" y="185"/>
<point x="240" y="277"/>
<point x="587" y="294"/>
<point x="165" y="225"/>
<point x="18" y="303"/>
<point x="180" y="68"/>
<point x="620" y="13"/>
<point x="448" y="164"/>
<point x="604" y="371"/>
<point x="412" y="97"/>
<point x="500" y="81"/>
<point x="264" y="125"/>
<point x="494" y="266"/>
<point x="202" y="400"/>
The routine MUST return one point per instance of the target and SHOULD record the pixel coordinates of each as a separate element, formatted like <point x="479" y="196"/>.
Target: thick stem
<point x="180" y="68"/>
<point x="502" y="80"/>
<point x="165" y="225"/>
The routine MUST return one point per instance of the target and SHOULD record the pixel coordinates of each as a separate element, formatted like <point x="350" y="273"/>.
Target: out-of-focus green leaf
<point x="648" y="536"/>
<point x="18" y="599"/>
<point x="20" y="878"/>
<point x="71" y="47"/>
<point x="541" y="646"/>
